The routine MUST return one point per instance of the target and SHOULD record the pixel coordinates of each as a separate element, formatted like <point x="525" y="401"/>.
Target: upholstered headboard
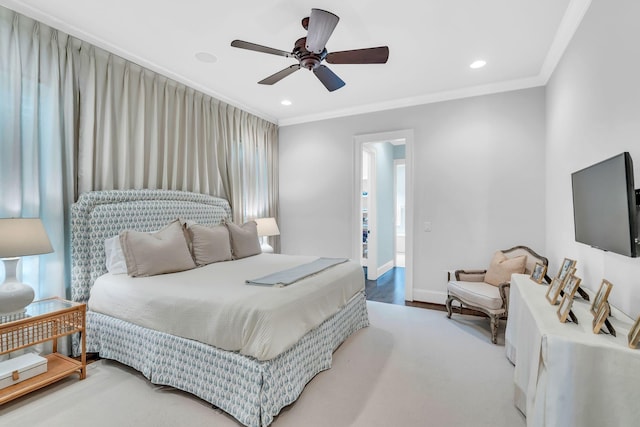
<point x="98" y="215"/>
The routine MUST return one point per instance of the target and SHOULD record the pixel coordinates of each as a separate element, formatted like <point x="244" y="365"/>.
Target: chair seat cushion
<point x="476" y="293"/>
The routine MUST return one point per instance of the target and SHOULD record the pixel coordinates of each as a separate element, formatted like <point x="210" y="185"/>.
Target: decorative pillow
<point x="186" y="223"/>
<point x="114" y="257"/>
<point x="501" y="268"/>
<point x="164" y="251"/>
<point x="244" y="239"/>
<point x="209" y="244"/>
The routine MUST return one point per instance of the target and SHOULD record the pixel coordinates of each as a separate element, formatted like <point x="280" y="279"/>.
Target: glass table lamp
<point x="267" y="227"/>
<point x="19" y="237"/>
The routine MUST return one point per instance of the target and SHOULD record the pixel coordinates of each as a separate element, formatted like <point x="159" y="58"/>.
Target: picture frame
<point x="601" y="297"/>
<point x="634" y="334"/>
<point x="571" y="285"/>
<point x="565" y="269"/>
<point x="565" y="308"/>
<point x="538" y="272"/>
<point x="553" y="291"/>
<point x="600" y="317"/>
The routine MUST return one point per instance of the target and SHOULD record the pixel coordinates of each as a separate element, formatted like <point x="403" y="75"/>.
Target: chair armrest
<point x="470" y="275"/>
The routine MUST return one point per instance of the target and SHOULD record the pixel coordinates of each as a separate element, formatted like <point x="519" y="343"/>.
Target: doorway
<point x="399" y="183"/>
<point x="383" y="219"/>
<point x="368" y="205"/>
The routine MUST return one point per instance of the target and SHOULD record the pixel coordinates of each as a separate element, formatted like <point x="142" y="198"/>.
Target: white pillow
<point x="114" y="257"/>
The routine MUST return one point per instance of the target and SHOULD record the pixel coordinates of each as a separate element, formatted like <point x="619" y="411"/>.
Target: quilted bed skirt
<point x="252" y="391"/>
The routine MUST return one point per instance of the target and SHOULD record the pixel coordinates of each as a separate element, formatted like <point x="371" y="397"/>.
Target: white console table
<point x="565" y="375"/>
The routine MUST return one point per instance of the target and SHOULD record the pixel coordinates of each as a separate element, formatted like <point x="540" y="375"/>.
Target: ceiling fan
<point x="310" y="51"/>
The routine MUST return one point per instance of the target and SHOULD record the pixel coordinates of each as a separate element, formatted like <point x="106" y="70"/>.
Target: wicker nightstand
<point x="44" y="320"/>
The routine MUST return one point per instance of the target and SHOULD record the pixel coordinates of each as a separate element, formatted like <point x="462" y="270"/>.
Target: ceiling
<point x="431" y="43"/>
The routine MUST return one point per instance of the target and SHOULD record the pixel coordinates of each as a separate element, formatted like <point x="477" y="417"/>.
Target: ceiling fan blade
<point x="321" y="25"/>
<point x="258" y="48"/>
<point x="373" y="55"/>
<point x="275" y="78"/>
<point x="328" y="78"/>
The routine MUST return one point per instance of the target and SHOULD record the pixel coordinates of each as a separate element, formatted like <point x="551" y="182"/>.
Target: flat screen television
<point x="604" y="206"/>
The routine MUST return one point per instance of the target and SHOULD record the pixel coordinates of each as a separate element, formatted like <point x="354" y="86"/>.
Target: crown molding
<point x="568" y="26"/>
<point x="78" y="33"/>
<point x="571" y="20"/>
<point x="419" y="100"/>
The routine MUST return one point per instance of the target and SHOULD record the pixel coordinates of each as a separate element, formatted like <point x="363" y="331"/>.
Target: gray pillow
<point x="209" y="244"/>
<point x="244" y="239"/>
<point x="164" y="251"/>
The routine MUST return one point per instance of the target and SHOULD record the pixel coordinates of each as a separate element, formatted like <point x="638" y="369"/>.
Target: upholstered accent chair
<point x="487" y="291"/>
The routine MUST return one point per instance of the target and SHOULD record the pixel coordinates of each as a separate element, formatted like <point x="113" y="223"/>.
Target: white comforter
<point x="213" y="305"/>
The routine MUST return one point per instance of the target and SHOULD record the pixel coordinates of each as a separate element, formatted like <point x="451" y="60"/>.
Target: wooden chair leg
<point x="494" y="329"/>
<point x="448" y="305"/>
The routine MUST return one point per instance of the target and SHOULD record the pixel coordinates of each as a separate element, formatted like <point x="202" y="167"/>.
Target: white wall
<point x="479" y="178"/>
<point x="593" y="113"/>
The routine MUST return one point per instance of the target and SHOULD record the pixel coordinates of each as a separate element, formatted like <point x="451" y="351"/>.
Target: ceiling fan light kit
<point x="310" y="51"/>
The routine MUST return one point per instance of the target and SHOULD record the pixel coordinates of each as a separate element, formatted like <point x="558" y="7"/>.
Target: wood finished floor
<point x="389" y="288"/>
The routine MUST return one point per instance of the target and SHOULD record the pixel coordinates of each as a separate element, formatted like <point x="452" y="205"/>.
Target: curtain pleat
<point x="143" y="130"/>
<point x="75" y="118"/>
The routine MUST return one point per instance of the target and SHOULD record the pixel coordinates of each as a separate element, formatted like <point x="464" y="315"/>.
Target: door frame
<point x="356" y="224"/>
<point x="372" y="214"/>
<point x="397" y="162"/>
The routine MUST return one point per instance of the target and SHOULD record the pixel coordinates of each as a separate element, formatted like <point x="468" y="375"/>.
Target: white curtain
<point x="138" y="129"/>
<point x="37" y="105"/>
<point x="75" y="118"/>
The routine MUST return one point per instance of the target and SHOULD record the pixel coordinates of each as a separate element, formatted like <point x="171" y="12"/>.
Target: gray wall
<point x="593" y="113"/>
<point x="478" y="178"/>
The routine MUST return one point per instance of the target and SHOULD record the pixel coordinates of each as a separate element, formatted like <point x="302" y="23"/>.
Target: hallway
<point x="388" y="288"/>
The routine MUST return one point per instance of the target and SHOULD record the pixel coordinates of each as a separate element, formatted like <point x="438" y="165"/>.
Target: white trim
<point x="431" y="98"/>
<point x="372" y="213"/>
<point x="434" y="297"/>
<point x="397" y="162"/>
<point x="570" y="23"/>
<point x="409" y="221"/>
<point x="386" y="267"/>
<point x="359" y="141"/>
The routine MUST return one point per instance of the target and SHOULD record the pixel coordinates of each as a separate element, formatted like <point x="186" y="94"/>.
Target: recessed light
<point x="206" y="57"/>
<point x="285" y="102"/>
<point x="478" y="64"/>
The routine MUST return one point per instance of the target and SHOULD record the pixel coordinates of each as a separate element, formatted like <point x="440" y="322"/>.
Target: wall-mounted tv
<point x="604" y="206"/>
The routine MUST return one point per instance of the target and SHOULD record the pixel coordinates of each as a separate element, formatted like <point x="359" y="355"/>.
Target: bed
<point x="251" y="381"/>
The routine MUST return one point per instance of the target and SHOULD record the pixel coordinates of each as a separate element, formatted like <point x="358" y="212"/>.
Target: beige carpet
<point x="411" y="367"/>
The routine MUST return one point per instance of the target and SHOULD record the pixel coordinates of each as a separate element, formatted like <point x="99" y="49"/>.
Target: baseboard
<point x="384" y="268"/>
<point x="433" y="297"/>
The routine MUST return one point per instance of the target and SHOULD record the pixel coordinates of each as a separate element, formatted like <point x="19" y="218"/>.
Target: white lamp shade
<point x="267" y="227"/>
<point x="19" y="237"/>
<point x="23" y="236"/>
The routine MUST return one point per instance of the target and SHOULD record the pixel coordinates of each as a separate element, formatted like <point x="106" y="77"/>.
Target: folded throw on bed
<point x="292" y="275"/>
